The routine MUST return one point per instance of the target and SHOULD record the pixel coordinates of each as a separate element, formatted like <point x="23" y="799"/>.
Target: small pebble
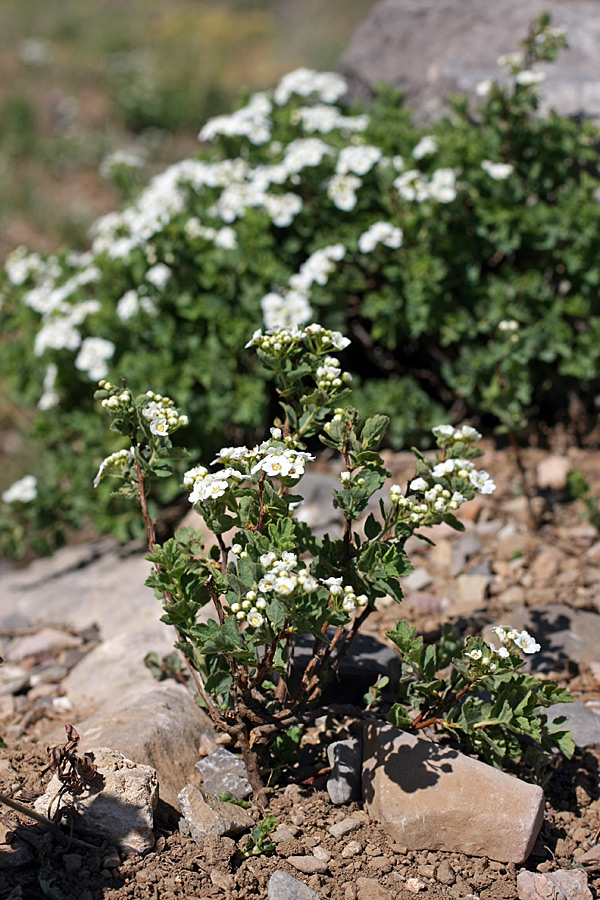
<point x="346" y="826"/>
<point x="322" y="854"/>
<point x="414" y="885"/>
<point x="310" y="865"/>
<point x="298" y="819"/>
<point x="381" y="863"/>
<point x="352" y="848"/>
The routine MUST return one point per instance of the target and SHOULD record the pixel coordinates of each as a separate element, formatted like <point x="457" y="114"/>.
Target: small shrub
<point x="269" y="581"/>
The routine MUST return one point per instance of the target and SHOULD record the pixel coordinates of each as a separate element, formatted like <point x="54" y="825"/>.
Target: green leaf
<point x="373" y="431"/>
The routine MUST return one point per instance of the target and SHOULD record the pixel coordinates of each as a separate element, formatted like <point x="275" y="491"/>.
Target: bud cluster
<point x="162" y="414"/>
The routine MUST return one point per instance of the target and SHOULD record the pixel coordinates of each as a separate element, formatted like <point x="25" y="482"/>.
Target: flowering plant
<point x="465" y="264"/>
<point x="268" y="581"/>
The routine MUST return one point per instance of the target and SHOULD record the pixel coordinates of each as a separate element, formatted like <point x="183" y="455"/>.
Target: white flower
<point x="443" y="468"/>
<point x="158" y="275"/>
<point x="334" y="585"/>
<point x="497" y="171"/>
<point x="418" y="484"/>
<point x="49" y="398"/>
<point x="284" y="585"/>
<point x="443" y="431"/>
<point x="474" y="654"/>
<point x="526" y="77"/>
<point x="482" y="481"/>
<point x="468" y="433"/>
<point x="341" y="190"/>
<point x="442" y="186"/>
<point x="527" y="643"/>
<point x="511" y="60"/>
<point x="117" y="460"/>
<point x="501" y="651"/>
<point x="22" y="491"/>
<point x="93" y="355"/>
<point x="305" y="152"/>
<point x="427" y="146"/>
<point x="255" y="618"/>
<point x="285" y="311"/>
<point x="484" y="88"/>
<point x="128" y="306"/>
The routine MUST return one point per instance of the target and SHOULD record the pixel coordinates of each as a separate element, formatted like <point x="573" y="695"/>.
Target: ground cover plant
<point x="270" y="583"/>
<point x="463" y="263"/>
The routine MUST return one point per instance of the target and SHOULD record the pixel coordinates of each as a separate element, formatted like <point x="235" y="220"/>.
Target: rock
<point x="351" y="849"/>
<point x="429" y="797"/>
<point x="445" y="873"/>
<point x="15" y="855"/>
<point x="283" y="834"/>
<point x="119" y="804"/>
<point x="417" y="580"/>
<point x="222" y="880"/>
<point x="552" y="471"/>
<point x="427" y="604"/>
<point x="317" y="508"/>
<point x="158" y="725"/>
<point x="433" y="48"/>
<point x="563" y="632"/>
<point x="223" y="771"/>
<point x="414" y="885"/>
<point x="470" y="595"/>
<point x="466" y="546"/>
<point x="205" y="814"/>
<point x="560" y="885"/>
<point x="46" y="642"/>
<point x="346" y="826"/>
<point x="284" y="887"/>
<point x="591" y="858"/>
<point x="12" y="680"/>
<point x="546" y="566"/>
<point x="321" y="853"/>
<point x="345" y="759"/>
<point x="309" y="865"/>
<point x="72" y="862"/>
<point x="369" y="889"/>
<point x="582" y="722"/>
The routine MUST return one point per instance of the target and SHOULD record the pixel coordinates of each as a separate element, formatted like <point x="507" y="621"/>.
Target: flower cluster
<point x="323" y="119"/>
<point x="251" y="121"/>
<point x="380" y="233"/>
<point x="279" y="341"/>
<point x="205" y="486"/>
<point x="327" y="86"/>
<point x="512" y="640"/>
<point x="162" y="414"/>
<point x="497" y="171"/>
<point x="93" y="357"/>
<point x="22" y="491"/>
<point x="118" y="461"/>
<point x="435" y="502"/>
<point x="447" y="435"/>
<point x="330" y="375"/>
<point x="119" y="401"/>
<point x="415" y="186"/>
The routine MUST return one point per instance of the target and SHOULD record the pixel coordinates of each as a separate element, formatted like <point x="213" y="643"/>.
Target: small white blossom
<point x="497" y="171"/>
<point x="427" y="146"/>
<point x="22" y="491"/>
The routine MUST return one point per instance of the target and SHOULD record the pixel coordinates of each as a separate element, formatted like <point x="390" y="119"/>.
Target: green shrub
<point x="464" y="264"/>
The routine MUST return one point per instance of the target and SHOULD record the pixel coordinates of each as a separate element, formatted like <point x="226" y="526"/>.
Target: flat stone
<point x="463" y="549"/>
<point x="157" y="724"/>
<point x="46" y="642"/>
<point x="582" y="722"/>
<point x="345" y="759"/>
<point x="205" y="814"/>
<point x="223" y="771"/>
<point x="431" y="49"/>
<point x="284" y="887"/>
<point x="346" y="826"/>
<point x="120" y="804"/>
<point x="309" y="865"/>
<point x="428" y="797"/>
<point x="560" y="885"/>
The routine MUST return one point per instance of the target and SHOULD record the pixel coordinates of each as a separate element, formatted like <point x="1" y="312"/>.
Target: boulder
<point x="119" y="802"/>
<point x="429" y="796"/>
<point x="430" y="49"/>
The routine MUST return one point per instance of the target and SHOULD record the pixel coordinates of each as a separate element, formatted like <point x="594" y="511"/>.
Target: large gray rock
<point x="119" y="804"/>
<point x="156" y="724"/>
<point x="432" y="48"/>
<point x="429" y="796"/>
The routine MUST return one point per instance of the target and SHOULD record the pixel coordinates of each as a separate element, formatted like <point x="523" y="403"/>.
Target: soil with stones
<point x="365" y="864"/>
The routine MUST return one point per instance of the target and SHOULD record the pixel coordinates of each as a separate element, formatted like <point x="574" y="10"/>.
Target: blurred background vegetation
<point x="79" y="80"/>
